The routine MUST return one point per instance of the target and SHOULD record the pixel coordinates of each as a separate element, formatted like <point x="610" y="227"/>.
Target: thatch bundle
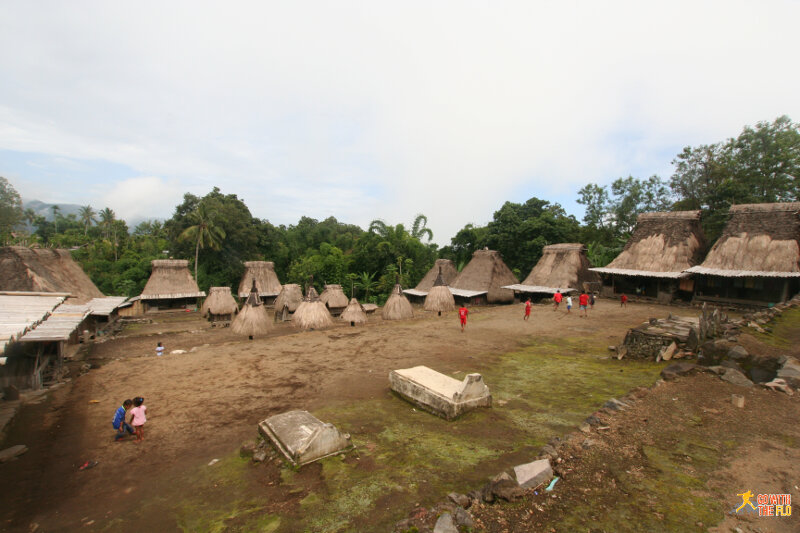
<point x="444" y="268"/>
<point x="219" y="302"/>
<point x="312" y="313"/>
<point x="263" y="273"/>
<point x="290" y="297"/>
<point x="171" y="278"/>
<point x="354" y="313"/>
<point x="334" y="297"/>
<point x="487" y="271"/>
<point x="662" y="245"/>
<point x="397" y="307"/>
<point x="439" y="297"/>
<point x="44" y="270"/>
<point x="758" y="240"/>
<point x="253" y="319"/>
<point x="562" y="266"/>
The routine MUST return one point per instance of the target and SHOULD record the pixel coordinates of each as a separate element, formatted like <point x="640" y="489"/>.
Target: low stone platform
<point x="438" y="393"/>
<point x="302" y="438"/>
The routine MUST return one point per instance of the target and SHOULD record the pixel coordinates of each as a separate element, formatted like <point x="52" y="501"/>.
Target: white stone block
<point x="302" y="438"/>
<point x="438" y="393"/>
<point x="533" y="474"/>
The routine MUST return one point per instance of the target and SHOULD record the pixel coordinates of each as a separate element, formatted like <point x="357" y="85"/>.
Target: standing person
<point x="119" y="421"/>
<point x="159" y="350"/>
<point x="591" y="300"/>
<point x="623" y="300"/>
<point x="138" y="417"/>
<point x="527" y="309"/>
<point x="462" y="316"/>
<point x="569" y="304"/>
<point x="557" y="299"/>
<point x="583" y="304"/>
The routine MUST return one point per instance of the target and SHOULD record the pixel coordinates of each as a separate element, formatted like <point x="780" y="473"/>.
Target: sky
<point x="365" y="110"/>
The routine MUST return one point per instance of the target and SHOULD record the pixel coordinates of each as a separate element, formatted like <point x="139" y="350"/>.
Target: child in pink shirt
<point x="138" y="417"/>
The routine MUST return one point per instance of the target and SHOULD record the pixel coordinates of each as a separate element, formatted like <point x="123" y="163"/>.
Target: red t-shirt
<point x="557" y="298"/>
<point x="462" y="313"/>
<point x="527" y="308"/>
<point x="624" y="298"/>
<point x="583" y="299"/>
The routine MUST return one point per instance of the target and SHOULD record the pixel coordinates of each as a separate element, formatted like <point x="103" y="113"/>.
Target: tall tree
<point x="10" y="208"/>
<point x="204" y="232"/>
<point x="107" y="218"/>
<point x="420" y="228"/>
<point x="87" y="215"/>
<point x="56" y="211"/>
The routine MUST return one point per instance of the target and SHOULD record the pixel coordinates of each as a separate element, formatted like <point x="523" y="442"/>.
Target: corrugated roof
<point x="537" y="288"/>
<point x="20" y="312"/>
<point x="64" y="320"/>
<point x="464" y="293"/>
<point x="172" y="296"/>
<point x="415" y="292"/>
<point x="741" y="273"/>
<point x="105" y="306"/>
<point x="640" y="273"/>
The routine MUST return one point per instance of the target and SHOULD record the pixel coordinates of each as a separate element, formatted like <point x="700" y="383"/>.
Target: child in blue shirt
<point x="119" y="421"/>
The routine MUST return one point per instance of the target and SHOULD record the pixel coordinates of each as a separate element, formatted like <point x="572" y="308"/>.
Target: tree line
<point x="218" y="233"/>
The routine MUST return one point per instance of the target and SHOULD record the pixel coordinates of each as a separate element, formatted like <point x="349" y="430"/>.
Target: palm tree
<point x="56" y="210"/>
<point x="204" y="232"/>
<point x="107" y="218"/>
<point x="366" y="282"/>
<point x="87" y="216"/>
<point x="420" y="228"/>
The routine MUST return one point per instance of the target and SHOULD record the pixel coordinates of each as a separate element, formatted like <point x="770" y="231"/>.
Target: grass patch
<point x="785" y="330"/>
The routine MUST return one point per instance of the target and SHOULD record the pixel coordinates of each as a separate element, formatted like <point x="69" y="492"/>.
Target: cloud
<point x="144" y="197"/>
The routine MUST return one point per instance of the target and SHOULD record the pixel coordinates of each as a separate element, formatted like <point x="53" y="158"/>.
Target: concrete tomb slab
<point x="302" y="438"/>
<point x="533" y="474"/>
<point x="438" y="393"/>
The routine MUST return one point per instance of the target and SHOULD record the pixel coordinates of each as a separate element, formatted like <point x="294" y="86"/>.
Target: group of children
<point x="585" y="301"/>
<point x="136" y="424"/>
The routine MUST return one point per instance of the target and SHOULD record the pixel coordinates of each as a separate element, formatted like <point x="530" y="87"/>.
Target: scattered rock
<point x="463" y="518"/>
<point x="12" y="453"/>
<point x="731" y="364"/>
<point x="615" y="405"/>
<point x="779" y="384"/>
<point x="592" y="420"/>
<point x="585" y="428"/>
<point x="738" y="353"/>
<point x="790" y="371"/>
<point x="462" y="500"/>
<point x="177" y="352"/>
<point x="760" y="374"/>
<point x="502" y="487"/>
<point x="533" y="474"/>
<point x="445" y="524"/>
<point x="737" y="378"/>
<point x="737" y="400"/>
<point x="259" y="456"/>
<point x="677" y="369"/>
<point x="667" y="353"/>
<point x="247" y="449"/>
<point x="588" y="443"/>
<point x="549" y="450"/>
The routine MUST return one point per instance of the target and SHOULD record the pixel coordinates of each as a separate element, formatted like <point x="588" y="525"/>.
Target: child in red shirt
<point x="462" y="315"/>
<point x="583" y="303"/>
<point x="557" y="297"/>
<point x="527" y="309"/>
<point x="623" y="300"/>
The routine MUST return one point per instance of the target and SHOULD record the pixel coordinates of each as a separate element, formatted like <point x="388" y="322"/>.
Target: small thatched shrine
<point x="263" y="273"/>
<point x="756" y="260"/>
<point x="287" y="302"/>
<point x="397" y="307"/>
<point x="354" y="313"/>
<point x="654" y="259"/>
<point x="312" y="313"/>
<point x="253" y="319"/>
<point x="483" y="278"/>
<point x="171" y="286"/>
<point x="563" y="267"/>
<point x="439" y="297"/>
<point x="220" y="305"/>
<point x="442" y="267"/>
<point x="334" y="299"/>
<point x="45" y="270"/>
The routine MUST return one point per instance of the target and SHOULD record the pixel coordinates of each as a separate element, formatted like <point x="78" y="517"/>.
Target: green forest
<point x="217" y="232"/>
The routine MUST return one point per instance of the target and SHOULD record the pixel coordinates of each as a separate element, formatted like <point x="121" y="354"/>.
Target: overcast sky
<point x="366" y="110"/>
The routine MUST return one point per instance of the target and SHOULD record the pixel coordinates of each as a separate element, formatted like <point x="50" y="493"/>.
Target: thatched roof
<point x="219" y="302"/>
<point x="334" y="297"/>
<point x="759" y="240"/>
<point x="663" y="245"/>
<point x="486" y="272"/>
<point x="263" y="272"/>
<point x="253" y="319"/>
<point x="397" y="307"/>
<point x="171" y="278"/>
<point x="291" y="296"/>
<point x="562" y="266"/>
<point x="312" y="313"/>
<point x="44" y="270"/>
<point x="449" y="274"/>
<point x="354" y="312"/>
<point x="439" y="297"/>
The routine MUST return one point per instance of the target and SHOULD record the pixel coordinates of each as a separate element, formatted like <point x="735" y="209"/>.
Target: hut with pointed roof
<point x="397" y="307"/>
<point x="267" y="283"/>
<point x="312" y="313"/>
<point x="287" y="302"/>
<point x="439" y="297"/>
<point x="220" y="305"/>
<point x="449" y="274"/>
<point x="756" y="260"/>
<point x="334" y="299"/>
<point x="171" y="286"/>
<point x="45" y="270"/>
<point x="563" y="267"/>
<point x="653" y="263"/>
<point x="253" y="319"/>
<point x="483" y="278"/>
<point x="354" y="313"/>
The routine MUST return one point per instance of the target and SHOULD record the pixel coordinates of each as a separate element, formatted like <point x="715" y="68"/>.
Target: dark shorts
<point x="583" y="307"/>
<point x="120" y="434"/>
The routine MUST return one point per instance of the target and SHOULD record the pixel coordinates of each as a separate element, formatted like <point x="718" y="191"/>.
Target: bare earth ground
<point x="546" y="376"/>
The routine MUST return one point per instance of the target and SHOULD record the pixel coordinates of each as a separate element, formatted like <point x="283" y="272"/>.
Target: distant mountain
<point x="45" y="210"/>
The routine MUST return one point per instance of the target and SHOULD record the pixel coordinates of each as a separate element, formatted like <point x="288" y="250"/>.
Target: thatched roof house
<point x="220" y="304"/>
<point x="334" y="298"/>
<point x="354" y="313"/>
<point x="757" y="257"/>
<point x="439" y="297"/>
<point x="483" y="278"/>
<point x="312" y="313"/>
<point x="563" y="267"/>
<point x="267" y="283"/>
<point x="170" y="286"/>
<point x="448" y="272"/>
<point x="288" y="300"/>
<point x="45" y="270"/>
<point x="397" y="307"/>
<point x="253" y="319"/>
<point x="654" y="259"/>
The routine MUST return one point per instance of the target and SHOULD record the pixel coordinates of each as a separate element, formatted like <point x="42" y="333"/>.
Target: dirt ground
<point x="203" y="404"/>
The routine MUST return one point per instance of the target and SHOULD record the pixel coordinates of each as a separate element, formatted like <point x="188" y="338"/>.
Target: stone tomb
<point x="440" y="394"/>
<point x="302" y="438"/>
